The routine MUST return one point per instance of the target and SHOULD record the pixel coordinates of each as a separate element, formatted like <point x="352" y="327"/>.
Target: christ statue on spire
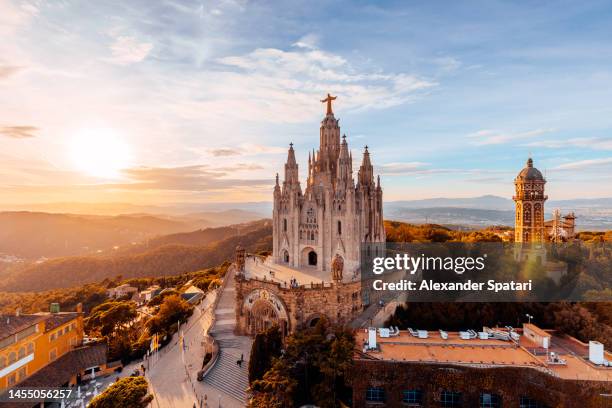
<point x="329" y="100"/>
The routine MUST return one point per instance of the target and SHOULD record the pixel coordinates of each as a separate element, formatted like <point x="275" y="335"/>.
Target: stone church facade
<point x="318" y="232"/>
<point x="334" y="214"/>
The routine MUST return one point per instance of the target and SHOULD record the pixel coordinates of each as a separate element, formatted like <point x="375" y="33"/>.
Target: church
<point x="334" y="214"/>
<point x="318" y="232"/>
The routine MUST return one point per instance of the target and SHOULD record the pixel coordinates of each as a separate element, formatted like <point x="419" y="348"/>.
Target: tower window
<point x="284" y="224"/>
<point x="339" y="227"/>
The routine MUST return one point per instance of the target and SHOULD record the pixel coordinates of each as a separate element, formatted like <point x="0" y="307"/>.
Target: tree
<point x="266" y="346"/>
<point x="312" y="369"/>
<point x="128" y="392"/>
<point x="112" y="317"/>
<point x="275" y="389"/>
<point x="173" y="309"/>
<point x="335" y="366"/>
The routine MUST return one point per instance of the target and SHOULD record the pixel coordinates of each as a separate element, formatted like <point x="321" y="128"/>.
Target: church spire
<point x="291" y="156"/>
<point x="291" y="167"/>
<point x="344" y="162"/>
<point x="366" y="171"/>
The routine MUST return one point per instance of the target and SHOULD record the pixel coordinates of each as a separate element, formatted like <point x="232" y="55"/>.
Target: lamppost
<point x="529" y="317"/>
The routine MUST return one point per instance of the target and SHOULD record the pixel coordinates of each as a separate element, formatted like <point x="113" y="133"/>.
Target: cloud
<point x="224" y="152"/>
<point x="447" y="64"/>
<point x="395" y="169"/>
<point x="494" y="137"/>
<point x="18" y="132"/>
<point x="186" y="178"/>
<point x="423" y="169"/>
<point x="7" y="71"/>
<point x="241" y="167"/>
<point x="128" y="50"/>
<point x="596" y="143"/>
<point x="274" y="85"/>
<point x="308" y="41"/>
<point x="246" y="149"/>
<point x="585" y="164"/>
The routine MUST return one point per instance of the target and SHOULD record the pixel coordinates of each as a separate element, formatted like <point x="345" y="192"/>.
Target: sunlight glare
<point x="100" y="152"/>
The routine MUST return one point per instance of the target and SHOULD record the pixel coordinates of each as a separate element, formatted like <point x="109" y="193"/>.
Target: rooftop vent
<point x="596" y="352"/>
<point x="372" y="338"/>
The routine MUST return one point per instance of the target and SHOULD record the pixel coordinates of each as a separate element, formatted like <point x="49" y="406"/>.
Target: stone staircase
<point x="229" y="377"/>
<point x="226" y="375"/>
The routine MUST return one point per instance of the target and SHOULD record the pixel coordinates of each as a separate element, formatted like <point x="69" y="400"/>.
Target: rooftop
<point x="535" y="329"/>
<point x="11" y="324"/>
<point x="54" y="320"/>
<point x="477" y="352"/>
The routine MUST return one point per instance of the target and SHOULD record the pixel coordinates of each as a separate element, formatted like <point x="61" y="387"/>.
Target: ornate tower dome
<point x="530" y="172"/>
<point x="529" y="199"/>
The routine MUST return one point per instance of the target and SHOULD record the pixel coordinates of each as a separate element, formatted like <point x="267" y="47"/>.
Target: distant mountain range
<point x="594" y="214"/>
<point x="32" y="235"/>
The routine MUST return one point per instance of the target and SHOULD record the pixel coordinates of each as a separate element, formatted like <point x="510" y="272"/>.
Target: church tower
<point x="529" y="199"/>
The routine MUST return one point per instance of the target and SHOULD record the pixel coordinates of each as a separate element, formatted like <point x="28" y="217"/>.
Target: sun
<point x="100" y="152"/>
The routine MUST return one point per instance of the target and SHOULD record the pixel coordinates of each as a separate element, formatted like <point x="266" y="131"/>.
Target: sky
<point x="190" y="101"/>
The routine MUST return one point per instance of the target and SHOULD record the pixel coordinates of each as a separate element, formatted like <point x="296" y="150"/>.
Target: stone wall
<point x="340" y="303"/>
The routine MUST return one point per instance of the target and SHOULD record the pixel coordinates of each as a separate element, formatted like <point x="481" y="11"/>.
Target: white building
<point x="121" y="291"/>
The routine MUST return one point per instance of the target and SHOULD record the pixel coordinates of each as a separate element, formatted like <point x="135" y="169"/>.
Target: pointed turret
<point x="291" y="167"/>
<point x="366" y="171"/>
<point x="344" y="162"/>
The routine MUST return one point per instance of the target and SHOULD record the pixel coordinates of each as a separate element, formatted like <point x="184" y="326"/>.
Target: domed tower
<point x="529" y="198"/>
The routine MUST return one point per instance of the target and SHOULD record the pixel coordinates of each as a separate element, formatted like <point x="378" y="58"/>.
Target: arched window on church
<point x="339" y="227"/>
<point x="284" y="224"/>
<point x="312" y="236"/>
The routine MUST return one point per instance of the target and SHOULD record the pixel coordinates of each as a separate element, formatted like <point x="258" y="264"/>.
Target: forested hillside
<point x="32" y="235"/>
<point x="174" y="255"/>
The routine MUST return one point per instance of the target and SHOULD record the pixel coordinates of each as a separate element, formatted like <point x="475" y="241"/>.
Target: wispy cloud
<point x="246" y="149"/>
<point x="186" y="178"/>
<point x="224" y="152"/>
<point x="279" y="85"/>
<point x="127" y="50"/>
<point x="585" y="164"/>
<point x="7" y="71"/>
<point x="595" y="143"/>
<point x="308" y="41"/>
<point x="495" y="137"/>
<point x="18" y="132"/>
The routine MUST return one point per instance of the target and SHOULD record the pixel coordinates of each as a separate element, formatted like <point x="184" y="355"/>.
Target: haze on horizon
<point x="187" y="102"/>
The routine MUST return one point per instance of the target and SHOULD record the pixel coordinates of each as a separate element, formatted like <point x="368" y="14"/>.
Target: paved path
<point x="228" y="378"/>
<point x="172" y="374"/>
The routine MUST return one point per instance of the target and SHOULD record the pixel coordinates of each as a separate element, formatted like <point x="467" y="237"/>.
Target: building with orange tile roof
<point x="40" y="344"/>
